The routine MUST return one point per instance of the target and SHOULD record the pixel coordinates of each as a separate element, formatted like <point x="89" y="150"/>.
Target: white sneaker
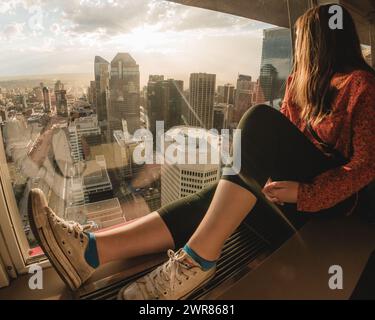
<point x="175" y="279"/>
<point x="63" y="242"/>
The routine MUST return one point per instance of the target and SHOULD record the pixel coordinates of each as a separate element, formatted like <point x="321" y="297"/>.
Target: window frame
<point x="15" y="239"/>
<point x="4" y="277"/>
<point x="16" y="247"/>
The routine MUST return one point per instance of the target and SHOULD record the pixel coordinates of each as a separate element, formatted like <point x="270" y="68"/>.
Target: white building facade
<point x="181" y="180"/>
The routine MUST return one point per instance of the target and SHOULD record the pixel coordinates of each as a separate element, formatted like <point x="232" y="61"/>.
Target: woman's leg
<point x="159" y="231"/>
<point x="230" y="205"/>
<point x="146" y="235"/>
<point x="75" y="254"/>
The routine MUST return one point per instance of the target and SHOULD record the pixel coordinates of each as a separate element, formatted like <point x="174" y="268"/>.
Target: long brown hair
<point x="321" y="52"/>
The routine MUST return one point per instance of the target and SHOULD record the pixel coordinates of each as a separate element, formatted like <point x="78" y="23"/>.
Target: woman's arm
<point x="336" y="185"/>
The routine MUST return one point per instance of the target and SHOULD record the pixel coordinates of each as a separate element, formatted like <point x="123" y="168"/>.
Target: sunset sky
<point x="52" y="36"/>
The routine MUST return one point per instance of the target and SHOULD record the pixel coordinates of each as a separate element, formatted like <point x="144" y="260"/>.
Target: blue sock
<point x="91" y="253"/>
<point x="205" y="264"/>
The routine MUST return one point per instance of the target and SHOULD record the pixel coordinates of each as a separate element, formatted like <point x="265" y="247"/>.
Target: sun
<point x="146" y="38"/>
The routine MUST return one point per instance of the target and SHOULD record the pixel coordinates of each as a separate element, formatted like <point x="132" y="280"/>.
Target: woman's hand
<point x="281" y="192"/>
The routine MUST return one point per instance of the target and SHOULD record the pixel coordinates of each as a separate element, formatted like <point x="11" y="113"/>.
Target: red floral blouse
<point x="350" y="128"/>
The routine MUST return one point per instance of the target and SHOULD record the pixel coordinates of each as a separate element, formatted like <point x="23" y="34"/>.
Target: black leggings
<point x="271" y="147"/>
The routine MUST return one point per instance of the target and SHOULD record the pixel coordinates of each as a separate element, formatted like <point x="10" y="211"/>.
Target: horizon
<point x="90" y="76"/>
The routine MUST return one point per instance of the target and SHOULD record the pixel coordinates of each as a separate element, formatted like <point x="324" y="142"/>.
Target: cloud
<point x="9" y="6"/>
<point x="164" y="37"/>
<point x="90" y="16"/>
<point x="116" y="17"/>
<point x="109" y="18"/>
<point x="48" y="45"/>
<point x="181" y="18"/>
<point x="11" y="31"/>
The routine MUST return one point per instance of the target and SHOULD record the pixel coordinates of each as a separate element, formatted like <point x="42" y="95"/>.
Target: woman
<point x="330" y="96"/>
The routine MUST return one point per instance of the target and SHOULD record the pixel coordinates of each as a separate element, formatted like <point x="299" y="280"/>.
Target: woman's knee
<point x="260" y="126"/>
<point x="258" y="115"/>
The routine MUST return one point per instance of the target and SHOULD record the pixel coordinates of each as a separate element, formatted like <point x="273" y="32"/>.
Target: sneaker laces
<point x="174" y="271"/>
<point x="72" y="227"/>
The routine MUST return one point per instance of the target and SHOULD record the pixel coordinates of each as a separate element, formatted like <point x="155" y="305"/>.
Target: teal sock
<point x="205" y="264"/>
<point x="91" y="253"/>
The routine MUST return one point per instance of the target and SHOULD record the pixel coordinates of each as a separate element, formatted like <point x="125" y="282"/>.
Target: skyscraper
<point x="156" y="101"/>
<point x="275" y="65"/>
<point x="226" y="94"/>
<point x="61" y="102"/>
<point x="270" y="84"/>
<point x="202" y="95"/>
<point x="176" y="102"/>
<point x="59" y="85"/>
<point x="38" y="94"/>
<point x="244" y="97"/>
<point x="92" y="94"/>
<point x="124" y="94"/>
<point x="164" y="102"/>
<point x="222" y="116"/>
<point x="46" y="99"/>
<point x="101" y="71"/>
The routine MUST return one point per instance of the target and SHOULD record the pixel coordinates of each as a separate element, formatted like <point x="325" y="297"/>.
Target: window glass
<point x="77" y="87"/>
<point x="367" y="53"/>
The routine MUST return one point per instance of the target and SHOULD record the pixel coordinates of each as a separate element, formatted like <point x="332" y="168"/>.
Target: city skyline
<point x="43" y="37"/>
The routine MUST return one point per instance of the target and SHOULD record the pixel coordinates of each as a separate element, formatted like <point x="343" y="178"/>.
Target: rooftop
<point x="125" y="58"/>
<point x="99" y="59"/>
<point x="100" y="207"/>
